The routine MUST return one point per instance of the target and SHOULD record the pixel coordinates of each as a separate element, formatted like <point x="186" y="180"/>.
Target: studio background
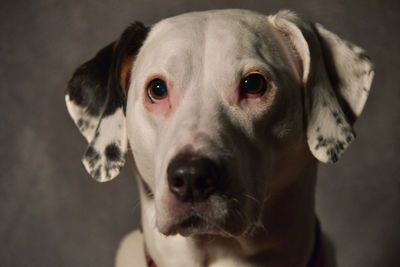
<point x="53" y="214"/>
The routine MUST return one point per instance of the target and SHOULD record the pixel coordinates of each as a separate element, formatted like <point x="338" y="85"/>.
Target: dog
<point x="225" y="115"/>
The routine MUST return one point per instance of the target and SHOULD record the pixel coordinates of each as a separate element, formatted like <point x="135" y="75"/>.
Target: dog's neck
<point x="285" y="238"/>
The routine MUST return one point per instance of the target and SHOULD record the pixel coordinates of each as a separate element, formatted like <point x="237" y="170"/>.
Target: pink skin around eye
<point x="247" y="99"/>
<point x="157" y="101"/>
<point x="244" y="95"/>
<point x="243" y="99"/>
<point x="163" y="106"/>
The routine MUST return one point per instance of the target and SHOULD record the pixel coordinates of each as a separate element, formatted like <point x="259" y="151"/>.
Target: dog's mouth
<point x="204" y="219"/>
<point x="191" y="224"/>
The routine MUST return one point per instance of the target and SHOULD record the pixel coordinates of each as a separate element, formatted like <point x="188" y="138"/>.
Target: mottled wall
<point x="53" y="214"/>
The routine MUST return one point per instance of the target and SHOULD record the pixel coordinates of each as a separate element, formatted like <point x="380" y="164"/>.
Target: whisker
<point x="251" y="197"/>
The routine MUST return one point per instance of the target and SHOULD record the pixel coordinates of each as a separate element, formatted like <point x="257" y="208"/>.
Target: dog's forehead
<point x="213" y="35"/>
<point x="210" y="22"/>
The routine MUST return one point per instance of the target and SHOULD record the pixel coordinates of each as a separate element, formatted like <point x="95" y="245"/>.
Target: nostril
<point x="176" y="181"/>
<point x="206" y="181"/>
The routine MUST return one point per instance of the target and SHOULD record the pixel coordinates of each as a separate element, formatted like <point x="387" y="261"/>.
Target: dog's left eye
<point x="253" y="85"/>
<point x="157" y="91"/>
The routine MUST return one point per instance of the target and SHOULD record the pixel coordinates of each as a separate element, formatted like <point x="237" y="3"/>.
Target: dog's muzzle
<point x="193" y="179"/>
<point x="198" y="199"/>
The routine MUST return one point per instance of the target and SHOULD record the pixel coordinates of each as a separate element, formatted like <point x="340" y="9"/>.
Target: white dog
<point x="224" y="114"/>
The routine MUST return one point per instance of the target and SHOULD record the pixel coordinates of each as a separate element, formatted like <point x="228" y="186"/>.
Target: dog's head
<point x="216" y="107"/>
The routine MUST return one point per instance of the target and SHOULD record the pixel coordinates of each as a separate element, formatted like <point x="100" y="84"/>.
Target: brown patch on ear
<point x="127" y="48"/>
<point x="125" y="73"/>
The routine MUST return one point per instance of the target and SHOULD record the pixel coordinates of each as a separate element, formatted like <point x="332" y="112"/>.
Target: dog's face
<point x="213" y="104"/>
<point x="232" y="102"/>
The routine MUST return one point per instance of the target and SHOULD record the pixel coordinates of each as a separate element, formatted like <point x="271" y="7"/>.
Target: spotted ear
<point x="336" y="76"/>
<point x="96" y="102"/>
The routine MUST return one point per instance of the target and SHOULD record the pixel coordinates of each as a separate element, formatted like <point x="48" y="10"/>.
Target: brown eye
<point x="157" y="90"/>
<point x="254" y="85"/>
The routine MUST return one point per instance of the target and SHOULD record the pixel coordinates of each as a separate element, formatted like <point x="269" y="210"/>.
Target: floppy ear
<point x="336" y="76"/>
<point x="96" y="102"/>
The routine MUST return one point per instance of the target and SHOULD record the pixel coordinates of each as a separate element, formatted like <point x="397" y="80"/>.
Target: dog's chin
<point x="195" y="224"/>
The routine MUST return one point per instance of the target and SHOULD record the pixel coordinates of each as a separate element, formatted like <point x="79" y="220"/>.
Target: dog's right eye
<point x="157" y="91"/>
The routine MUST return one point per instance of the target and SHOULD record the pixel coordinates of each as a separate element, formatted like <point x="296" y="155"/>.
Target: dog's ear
<point x="96" y="99"/>
<point x="336" y="77"/>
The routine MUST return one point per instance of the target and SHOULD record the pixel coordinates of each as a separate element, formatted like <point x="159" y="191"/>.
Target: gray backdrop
<point x="53" y="214"/>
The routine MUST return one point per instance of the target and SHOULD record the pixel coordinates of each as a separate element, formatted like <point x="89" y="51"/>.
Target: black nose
<point x="193" y="179"/>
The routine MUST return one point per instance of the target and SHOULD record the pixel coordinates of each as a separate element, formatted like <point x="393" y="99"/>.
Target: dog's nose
<point x="193" y="179"/>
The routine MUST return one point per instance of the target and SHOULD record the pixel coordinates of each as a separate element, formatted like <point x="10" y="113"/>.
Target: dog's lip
<point x="195" y="224"/>
<point x="189" y="224"/>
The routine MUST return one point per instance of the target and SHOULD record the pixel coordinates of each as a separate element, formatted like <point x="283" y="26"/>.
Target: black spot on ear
<point x="339" y="146"/>
<point x="322" y="142"/>
<point x="80" y="123"/>
<point x="90" y="152"/>
<point x="92" y="156"/>
<point x="83" y="125"/>
<point x="96" y="173"/>
<point x="332" y="154"/>
<point x="113" y="153"/>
